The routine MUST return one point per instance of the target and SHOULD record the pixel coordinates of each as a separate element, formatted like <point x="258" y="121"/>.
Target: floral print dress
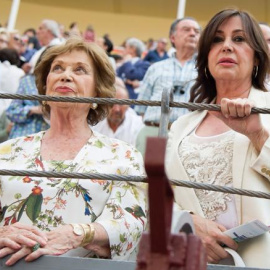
<point x="120" y="207"/>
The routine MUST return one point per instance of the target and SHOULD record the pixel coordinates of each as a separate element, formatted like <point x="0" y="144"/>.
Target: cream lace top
<point x="209" y="160"/>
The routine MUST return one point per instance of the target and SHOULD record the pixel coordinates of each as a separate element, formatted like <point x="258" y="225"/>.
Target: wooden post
<point x="159" y="249"/>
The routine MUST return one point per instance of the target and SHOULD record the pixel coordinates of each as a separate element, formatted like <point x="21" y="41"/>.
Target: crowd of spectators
<point x="19" y="53"/>
<point x="144" y="67"/>
<point x="142" y="71"/>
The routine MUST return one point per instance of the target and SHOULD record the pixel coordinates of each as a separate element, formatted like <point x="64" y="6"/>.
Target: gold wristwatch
<point x="77" y="229"/>
<point x="87" y="230"/>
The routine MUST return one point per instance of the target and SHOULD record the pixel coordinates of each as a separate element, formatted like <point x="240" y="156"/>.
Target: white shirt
<point x="127" y="131"/>
<point x="10" y="76"/>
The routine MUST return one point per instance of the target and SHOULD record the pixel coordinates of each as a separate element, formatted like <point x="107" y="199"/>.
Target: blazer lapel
<point x="240" y="149"/>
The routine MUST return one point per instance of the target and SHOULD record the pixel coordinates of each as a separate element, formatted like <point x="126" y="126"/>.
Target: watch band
<point x="89" y="233"/>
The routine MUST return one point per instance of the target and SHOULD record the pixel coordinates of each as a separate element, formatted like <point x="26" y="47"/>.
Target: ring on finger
<point x="36" y="247"/>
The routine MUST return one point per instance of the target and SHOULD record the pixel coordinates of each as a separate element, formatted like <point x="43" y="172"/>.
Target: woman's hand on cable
<point x="236" y="113"/>
<point x="212" y="236"/>
<point x="60" y="240"/>
<point x="15" y="237"/>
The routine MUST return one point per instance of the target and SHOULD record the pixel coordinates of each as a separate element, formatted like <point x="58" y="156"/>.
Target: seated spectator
<point x="106" y="44"/>
<point x="150" y="44"/>
<point x="54" y="216"/>
<point x="10" y="74"/>
<point x="15" y="41"/>
<point x="177" y="73"/>
<point x="230" y="147"/>
<point x="74" y="29"/>
<point x="48" y="34"/>
<point x="26" y="53"/>
<point x="159" y="53"/>
<point x="26" y="115"/>
<point x="5" y="126"/>
<point x="122" y="121"/>
<point x="134" y="68"/>
<point x="4" y="38"/>
<point x="89" y="34"/>
<point x="266" y="34"/>
<point x="33" y="42"/>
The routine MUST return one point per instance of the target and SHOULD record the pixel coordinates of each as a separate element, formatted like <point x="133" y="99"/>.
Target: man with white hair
<point x="134" y="69"/>
<point x="48" y="34"/>
<point x="177" y="73"/>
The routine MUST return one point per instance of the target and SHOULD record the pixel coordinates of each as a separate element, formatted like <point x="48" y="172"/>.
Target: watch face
<point x="77" y="229"/>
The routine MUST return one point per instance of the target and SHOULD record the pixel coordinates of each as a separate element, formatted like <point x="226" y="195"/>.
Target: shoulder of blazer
<point x="261" y="98"/>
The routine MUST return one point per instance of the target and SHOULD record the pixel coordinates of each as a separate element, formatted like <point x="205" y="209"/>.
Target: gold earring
<point x="44" y="103"/>
<point x="94" y="106"/>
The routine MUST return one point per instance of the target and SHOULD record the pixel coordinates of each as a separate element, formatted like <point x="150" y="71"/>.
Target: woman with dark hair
<point x="77" y="217"/>
<point x="229" y="148"/>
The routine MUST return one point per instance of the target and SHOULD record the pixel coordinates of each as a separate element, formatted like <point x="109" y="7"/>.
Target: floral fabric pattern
<point x="120" y="207"/>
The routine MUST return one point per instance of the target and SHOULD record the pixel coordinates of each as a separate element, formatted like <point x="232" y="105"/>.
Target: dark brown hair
<point x="103" y="72"/>
<point x="204" y="89"/>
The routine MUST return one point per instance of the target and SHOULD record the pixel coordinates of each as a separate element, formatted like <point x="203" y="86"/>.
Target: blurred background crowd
<point x="143" y="68"/>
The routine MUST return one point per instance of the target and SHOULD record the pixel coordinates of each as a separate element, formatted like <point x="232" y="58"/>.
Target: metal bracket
<point x="167" y="96"/>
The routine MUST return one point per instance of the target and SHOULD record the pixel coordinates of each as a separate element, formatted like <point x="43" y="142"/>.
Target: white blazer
<point x="250" y="171"/>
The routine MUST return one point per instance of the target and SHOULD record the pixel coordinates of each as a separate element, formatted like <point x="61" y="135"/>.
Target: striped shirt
<point x="166" y="74"/>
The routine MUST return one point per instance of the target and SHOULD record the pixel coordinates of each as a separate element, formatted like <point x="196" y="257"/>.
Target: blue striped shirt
<point x="166" y="74"/>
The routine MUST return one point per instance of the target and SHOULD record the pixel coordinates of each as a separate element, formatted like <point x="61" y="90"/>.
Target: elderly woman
<point x="229" y="148"/>
<point x="134" y="68"/>
<point x="71" y="216"/>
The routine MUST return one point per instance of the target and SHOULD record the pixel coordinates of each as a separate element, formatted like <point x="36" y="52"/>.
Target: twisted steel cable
<point x="115" y="177"/>
<point x="112" y="101"/>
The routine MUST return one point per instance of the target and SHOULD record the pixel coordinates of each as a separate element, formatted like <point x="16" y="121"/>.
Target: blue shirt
<point x="165" y="75"/>
<point x="134" y="69"/>
<point x="153" y="56"/>
<point x="18" y="110"/>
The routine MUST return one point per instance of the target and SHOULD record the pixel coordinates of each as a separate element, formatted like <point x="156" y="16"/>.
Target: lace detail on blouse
<point x="209" y="160"/>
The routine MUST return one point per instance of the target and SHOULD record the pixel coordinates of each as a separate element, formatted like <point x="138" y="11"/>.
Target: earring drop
<point x="94" y="106"/>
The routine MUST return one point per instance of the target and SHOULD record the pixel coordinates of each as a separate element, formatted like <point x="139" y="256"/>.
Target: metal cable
<point x="115" y="177"/>
<point x="111" y="101"/>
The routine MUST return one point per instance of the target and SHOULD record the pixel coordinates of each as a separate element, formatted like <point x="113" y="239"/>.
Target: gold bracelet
<point x="89" y="233"/>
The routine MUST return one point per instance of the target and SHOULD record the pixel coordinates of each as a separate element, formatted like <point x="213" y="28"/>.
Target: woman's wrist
<point x="100" y="245"/>
<point x="85" y="232"/>
<point x="259" y="139"/>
